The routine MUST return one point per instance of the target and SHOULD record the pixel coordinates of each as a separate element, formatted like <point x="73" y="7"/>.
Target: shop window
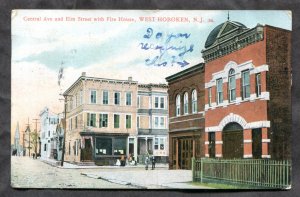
<point x="119" y="146"/>
<point x="103" y="146"/>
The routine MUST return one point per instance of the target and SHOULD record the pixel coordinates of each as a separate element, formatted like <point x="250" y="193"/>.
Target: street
<point x="34" y="173"/>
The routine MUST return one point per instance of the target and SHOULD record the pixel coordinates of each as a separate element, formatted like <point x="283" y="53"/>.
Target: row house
<point x="100" y="119"/>
<point x="152" y="121"/>
<point x="109" y="118"/>
<point x="48" y="143"/>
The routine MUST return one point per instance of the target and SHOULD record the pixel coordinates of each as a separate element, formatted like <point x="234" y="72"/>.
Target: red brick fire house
<point x="247" y="92"/>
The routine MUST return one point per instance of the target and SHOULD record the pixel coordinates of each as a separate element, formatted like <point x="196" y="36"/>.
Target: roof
<point x="222" y="29"/>
<point x="185" y="72"/>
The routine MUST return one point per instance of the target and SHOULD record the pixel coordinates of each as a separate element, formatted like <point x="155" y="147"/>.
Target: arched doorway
<point x="233" y="141"/>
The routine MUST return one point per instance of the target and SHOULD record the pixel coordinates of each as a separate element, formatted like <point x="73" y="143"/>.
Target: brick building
<point x="247" y="92"/>
<point x="186" y="116"/>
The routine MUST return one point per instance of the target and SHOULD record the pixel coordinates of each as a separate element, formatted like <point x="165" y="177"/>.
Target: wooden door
<point x="86" y="153"/>
<point x="233" y="144"/>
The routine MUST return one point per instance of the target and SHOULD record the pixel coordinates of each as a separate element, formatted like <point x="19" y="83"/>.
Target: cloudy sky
<point x="43" y="41"/>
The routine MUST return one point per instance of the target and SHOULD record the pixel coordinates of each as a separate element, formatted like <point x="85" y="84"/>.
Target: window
<point x="48" y="133"/>
<point x="71" y="124"/>
<point x="69" y="148"/>
<point x="103" y="146"/>
<point x="162" y="122"/>
<point x="159" y="122"/>
<point x="93" y="96"/>
<point x="105" y="98"/>
<point x="103" y="120"/>
<point x="231" y="85"/>
<point x="194" y="101"/>
<point x="211" y="146"/>
<point x="128" y="121"/>
<point x="117" y="98"/>
<point x="178" y="105"/>
<point x="245" y="84"/>
<point x="162" y="144"/>
<point x="159" y="102"/>
<point x="219" y="91"/>
<point x="156" y="122"/>
<point x="138" y="101"/>
<point x="138" y="122"/>
<point x="128" y="98"/>
<point x="258" y="84"/>
<point x="186" y="103"/>
<point x="156" y="102"/>
<point x="91" y="120"/>
<point x="209" y="97"/>
<point x="162" y="102"/>
<point x="80" y="98"/>
<point x="120" y="146"/>
<point x="76" y="122"/>
<point x="116" y="121"/>
<point x="156" y="143"/>
<point x="45" y="147"/>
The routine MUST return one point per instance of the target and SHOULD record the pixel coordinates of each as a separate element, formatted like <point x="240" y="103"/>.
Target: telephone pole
<point x="28" y="131"/>
<point x="65" y="128"/>
<point x="36" y="136"/>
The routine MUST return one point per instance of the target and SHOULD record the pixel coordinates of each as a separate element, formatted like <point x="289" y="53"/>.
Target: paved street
<point x="29" y="173"/>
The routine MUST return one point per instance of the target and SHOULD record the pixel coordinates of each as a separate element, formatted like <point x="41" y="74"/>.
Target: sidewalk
<point x="68" y="165"/>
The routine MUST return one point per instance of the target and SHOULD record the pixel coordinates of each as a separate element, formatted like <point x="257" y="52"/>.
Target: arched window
<point x="178" y="105"/>
<point x="231" y="85"/>
<point x="194" y="101"/>
<point x="186" y="103"/>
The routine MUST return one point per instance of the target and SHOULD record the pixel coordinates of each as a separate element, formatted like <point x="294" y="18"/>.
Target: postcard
<point x="151" y="99"/>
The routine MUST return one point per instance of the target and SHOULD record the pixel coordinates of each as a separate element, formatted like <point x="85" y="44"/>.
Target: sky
<point x="146" y="45"/>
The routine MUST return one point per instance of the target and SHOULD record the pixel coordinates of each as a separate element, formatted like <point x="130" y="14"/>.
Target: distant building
<point x="247" y="92"/>
<point x="152" y="121"/>
<point x="17" y="147"/>
<point x="49" y="121"/>
<point x="186" y="116"/>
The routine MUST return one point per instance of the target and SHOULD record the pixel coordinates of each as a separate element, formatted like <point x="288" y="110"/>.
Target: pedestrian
<point x="153" y="162"/>
<point x="146" y="162"/>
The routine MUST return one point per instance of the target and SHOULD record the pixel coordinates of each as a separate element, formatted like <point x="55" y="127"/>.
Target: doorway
<point x="233" y="141"/>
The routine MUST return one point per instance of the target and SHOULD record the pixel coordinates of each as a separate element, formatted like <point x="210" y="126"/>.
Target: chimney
<point x="129" y="78"/>
<point x="83" y="74"/>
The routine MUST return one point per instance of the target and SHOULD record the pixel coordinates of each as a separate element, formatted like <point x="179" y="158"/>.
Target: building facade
<point x="101" y="120"/>
<point x="152" y="122"/>
<point x="247" y="92"/>
<point x="186" y="116"/>
<point x="48" y="121"/>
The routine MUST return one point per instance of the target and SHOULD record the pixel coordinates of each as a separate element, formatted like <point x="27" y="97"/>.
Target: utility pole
<point x="36" y="136"/>
<point x="65" y="129"/>
<point x="28" y="130"/>
<point x="23" y="147"/>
